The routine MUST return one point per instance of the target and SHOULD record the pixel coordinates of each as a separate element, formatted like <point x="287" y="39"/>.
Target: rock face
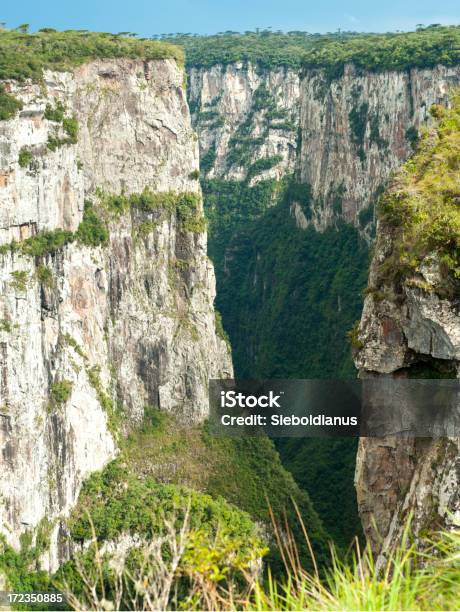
<point x="356" y="130"/>
<point x="342" y="137"/>
<point x="414" y="332"/>
<point x="91" y="335"/>
<point x="237" y="107"/>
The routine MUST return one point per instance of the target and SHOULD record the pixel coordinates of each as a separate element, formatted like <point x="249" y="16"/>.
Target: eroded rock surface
<point x="125" y="325"/>
<point x="412" y="333"/>
<point x="343" y="137"/>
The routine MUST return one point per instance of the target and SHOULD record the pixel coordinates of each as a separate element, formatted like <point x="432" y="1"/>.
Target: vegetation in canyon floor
<point x="287" y="298"/>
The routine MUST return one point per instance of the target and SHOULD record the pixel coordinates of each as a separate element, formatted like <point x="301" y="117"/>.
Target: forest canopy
<point x="24" y="55"/>
<point x="426" y="47"/>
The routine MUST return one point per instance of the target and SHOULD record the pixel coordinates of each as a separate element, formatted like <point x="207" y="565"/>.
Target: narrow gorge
<point x="293" y="162"/>
<point x="165" y="221"/>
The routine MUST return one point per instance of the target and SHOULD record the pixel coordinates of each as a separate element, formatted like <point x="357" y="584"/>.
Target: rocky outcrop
<point x="395" y="477"/>
<point x="408" y="330"/>
<point x="91" y="334"/>
<point x="343" y="137"/>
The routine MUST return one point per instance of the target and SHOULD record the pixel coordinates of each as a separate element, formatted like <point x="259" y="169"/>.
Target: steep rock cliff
<point x="242" y="115"/>
<point x="342" y="136"/>
<point x="356" y="130"/>
<point x="91" y="334"/>
<point x="410" y="327"/>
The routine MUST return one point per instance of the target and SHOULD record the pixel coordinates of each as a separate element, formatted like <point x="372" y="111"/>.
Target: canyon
<point x="107" y="290"/>
<point x="342" y="138"/>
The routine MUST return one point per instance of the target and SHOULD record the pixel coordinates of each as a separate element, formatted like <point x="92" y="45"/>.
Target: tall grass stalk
<point x="407" y="579"/>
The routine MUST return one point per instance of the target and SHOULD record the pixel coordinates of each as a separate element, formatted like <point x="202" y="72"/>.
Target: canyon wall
<point x="343" y="137"/>
<point x="92" y="333"/>
<point x="243" y="114"/>
<point x="415" y="333"/>
<point x="410" y="329"/>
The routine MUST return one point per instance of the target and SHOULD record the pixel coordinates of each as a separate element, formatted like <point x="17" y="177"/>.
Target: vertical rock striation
<point x="89" y="335"/>
<point x="243" y="114"/>
<point x="357" y="129"/>
<point x="343" y="136"/>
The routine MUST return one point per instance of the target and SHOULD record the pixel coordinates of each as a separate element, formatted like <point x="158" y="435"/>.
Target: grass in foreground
<point x="407" y="580"/>
<point x="212" y="575"/>
<point x="182" y="565"/>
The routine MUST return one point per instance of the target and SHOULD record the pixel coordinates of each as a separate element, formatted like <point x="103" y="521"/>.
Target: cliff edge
<point x="106" y="290"/>
<point x="410" y="327"/>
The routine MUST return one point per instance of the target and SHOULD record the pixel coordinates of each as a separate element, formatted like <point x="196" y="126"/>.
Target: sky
<point x="147" y="17"/>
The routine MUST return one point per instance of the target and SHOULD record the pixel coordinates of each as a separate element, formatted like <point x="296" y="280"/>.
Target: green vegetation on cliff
<point x="116" y="502"/>
<point x="93" y="229"/>
<point x="165" y="472"/>
<point x="424" y="48"/>
<point x="22" y="569"/>
<point x="421" y="207"/>
<point x="24" y="55"/>
<point x="177" y="537"/>
<point x="264" y="115"/>
<point x="186" y="205"/>
<point x="9" y="105"/>
<point x="25" y="157"/>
